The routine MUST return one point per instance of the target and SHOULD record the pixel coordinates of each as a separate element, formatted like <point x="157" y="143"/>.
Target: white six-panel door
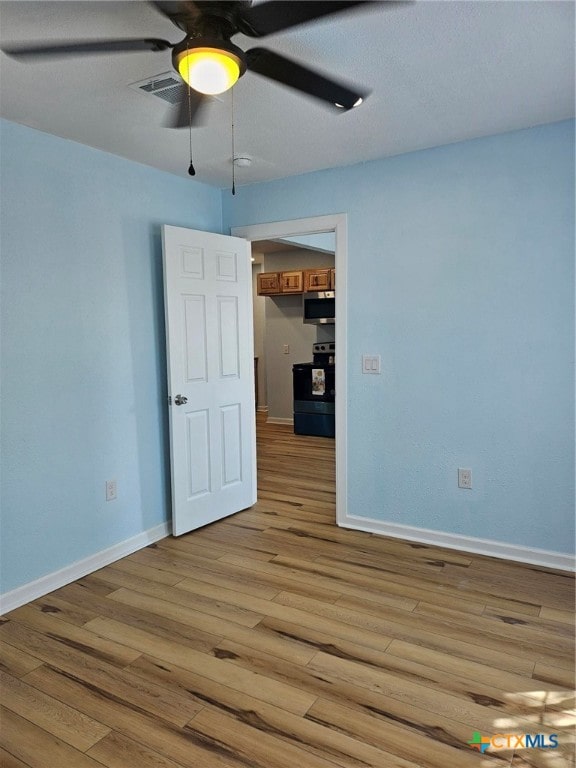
<point x="208" y="302"/>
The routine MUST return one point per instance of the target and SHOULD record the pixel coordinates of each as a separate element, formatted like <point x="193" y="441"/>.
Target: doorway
<point x="281" y="337"/>
<point x="336" y="223"/>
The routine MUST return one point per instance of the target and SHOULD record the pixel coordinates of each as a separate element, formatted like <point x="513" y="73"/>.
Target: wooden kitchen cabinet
<point x="268" y="283"/>
<point x="292" y="282"/>
<point x="274" y="283"/>
<point x="317" y="279"/>
<point x="296" y="281"/>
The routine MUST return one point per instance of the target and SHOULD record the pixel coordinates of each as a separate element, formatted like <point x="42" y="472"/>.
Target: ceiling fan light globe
<point x="208" y="70"/>
<point x="357" y="103"/>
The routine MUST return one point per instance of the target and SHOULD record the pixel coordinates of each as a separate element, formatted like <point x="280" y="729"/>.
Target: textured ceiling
<point x="439" y="72"/>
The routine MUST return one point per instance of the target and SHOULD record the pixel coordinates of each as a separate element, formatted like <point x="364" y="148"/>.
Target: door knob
<point x="180" y="400"/>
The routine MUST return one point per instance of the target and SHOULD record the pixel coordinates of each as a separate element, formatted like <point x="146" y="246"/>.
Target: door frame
<point x="337" y="223"/>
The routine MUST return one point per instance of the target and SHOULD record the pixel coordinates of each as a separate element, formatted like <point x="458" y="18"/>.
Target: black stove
<point x="314" y="392"/>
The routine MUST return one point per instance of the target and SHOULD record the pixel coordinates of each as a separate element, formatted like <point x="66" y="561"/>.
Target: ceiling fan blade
<point x="82" y="48"/>
<point x="276" y="67"/>
<point x="278" y="15"/>
<point x="182" y="13"/>
<point x="189" y="111"/>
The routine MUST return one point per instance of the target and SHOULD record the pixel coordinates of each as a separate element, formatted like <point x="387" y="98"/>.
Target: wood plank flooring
<point x="274" y="639"/>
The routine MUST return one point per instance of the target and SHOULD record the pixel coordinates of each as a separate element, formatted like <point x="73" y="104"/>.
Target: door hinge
<point x="169" y="399"/>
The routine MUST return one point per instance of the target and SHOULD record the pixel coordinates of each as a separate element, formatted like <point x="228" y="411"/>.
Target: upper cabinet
<point x="317" y="279"/>
<point x="291" y="282"/>
<point x="274" y="283"/>
<point x="296" y="281"/>
<point x="268" y="283"/>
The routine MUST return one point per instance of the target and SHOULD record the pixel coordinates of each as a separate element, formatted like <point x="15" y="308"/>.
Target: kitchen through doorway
<point x="336" y="226"/>
<point x="282" y="272"/>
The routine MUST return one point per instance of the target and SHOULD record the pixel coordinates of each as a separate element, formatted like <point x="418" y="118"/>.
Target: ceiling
<point x="261" y="248"/>
<point x="439" y="72"/>
<point x="275" y="246"/>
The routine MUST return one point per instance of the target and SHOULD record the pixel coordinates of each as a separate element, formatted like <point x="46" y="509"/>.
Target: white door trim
<point x="337" y="223"/>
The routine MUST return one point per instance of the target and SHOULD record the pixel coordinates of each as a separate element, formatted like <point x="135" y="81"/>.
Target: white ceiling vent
<point x="166" y="86"/>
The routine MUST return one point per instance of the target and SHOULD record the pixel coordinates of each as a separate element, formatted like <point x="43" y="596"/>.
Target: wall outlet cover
<point x="465" y="478"/>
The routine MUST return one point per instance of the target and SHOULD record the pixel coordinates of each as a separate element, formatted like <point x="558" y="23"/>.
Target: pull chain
<point x="233" y="153"/>
<point x="191" y="169"/>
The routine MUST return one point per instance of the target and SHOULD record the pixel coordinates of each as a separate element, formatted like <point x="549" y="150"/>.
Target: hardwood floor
<point x="274" y="639"/>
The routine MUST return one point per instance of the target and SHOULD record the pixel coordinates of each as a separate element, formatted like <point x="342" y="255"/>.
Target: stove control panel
<point x="326" y="347"/>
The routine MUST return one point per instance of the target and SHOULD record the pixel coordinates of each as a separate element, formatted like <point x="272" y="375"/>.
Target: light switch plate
<point x="370" y="363"/>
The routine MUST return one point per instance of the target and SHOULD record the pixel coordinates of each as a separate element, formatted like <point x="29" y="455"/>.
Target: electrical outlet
<point x="286" y="349"/>
<point x="111" y="490"/>
<point x="465" y="478"/>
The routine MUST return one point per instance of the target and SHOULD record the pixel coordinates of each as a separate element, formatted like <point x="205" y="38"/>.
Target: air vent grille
<point x="165" y="86"/>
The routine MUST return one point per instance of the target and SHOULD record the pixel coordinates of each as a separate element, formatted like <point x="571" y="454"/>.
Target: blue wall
<point x="461" y="276"/>
<point x="83" y="367"/>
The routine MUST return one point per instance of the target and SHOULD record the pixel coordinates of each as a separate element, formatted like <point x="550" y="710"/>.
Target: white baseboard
<point x="542" y="557"/>
<point x="42" y="586"/>
<point x="278" y="420"/>
<point x="262" y="409"/>
<point x="45" y="584"/>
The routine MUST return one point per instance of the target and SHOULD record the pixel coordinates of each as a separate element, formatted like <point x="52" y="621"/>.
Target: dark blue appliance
<point x="314" y="393"/>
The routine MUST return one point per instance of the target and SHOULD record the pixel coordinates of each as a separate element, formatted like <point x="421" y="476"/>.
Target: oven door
<point x="314" y="382"/>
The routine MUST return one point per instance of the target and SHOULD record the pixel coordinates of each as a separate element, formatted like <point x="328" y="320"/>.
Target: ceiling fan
<point x="209" y="62"/>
